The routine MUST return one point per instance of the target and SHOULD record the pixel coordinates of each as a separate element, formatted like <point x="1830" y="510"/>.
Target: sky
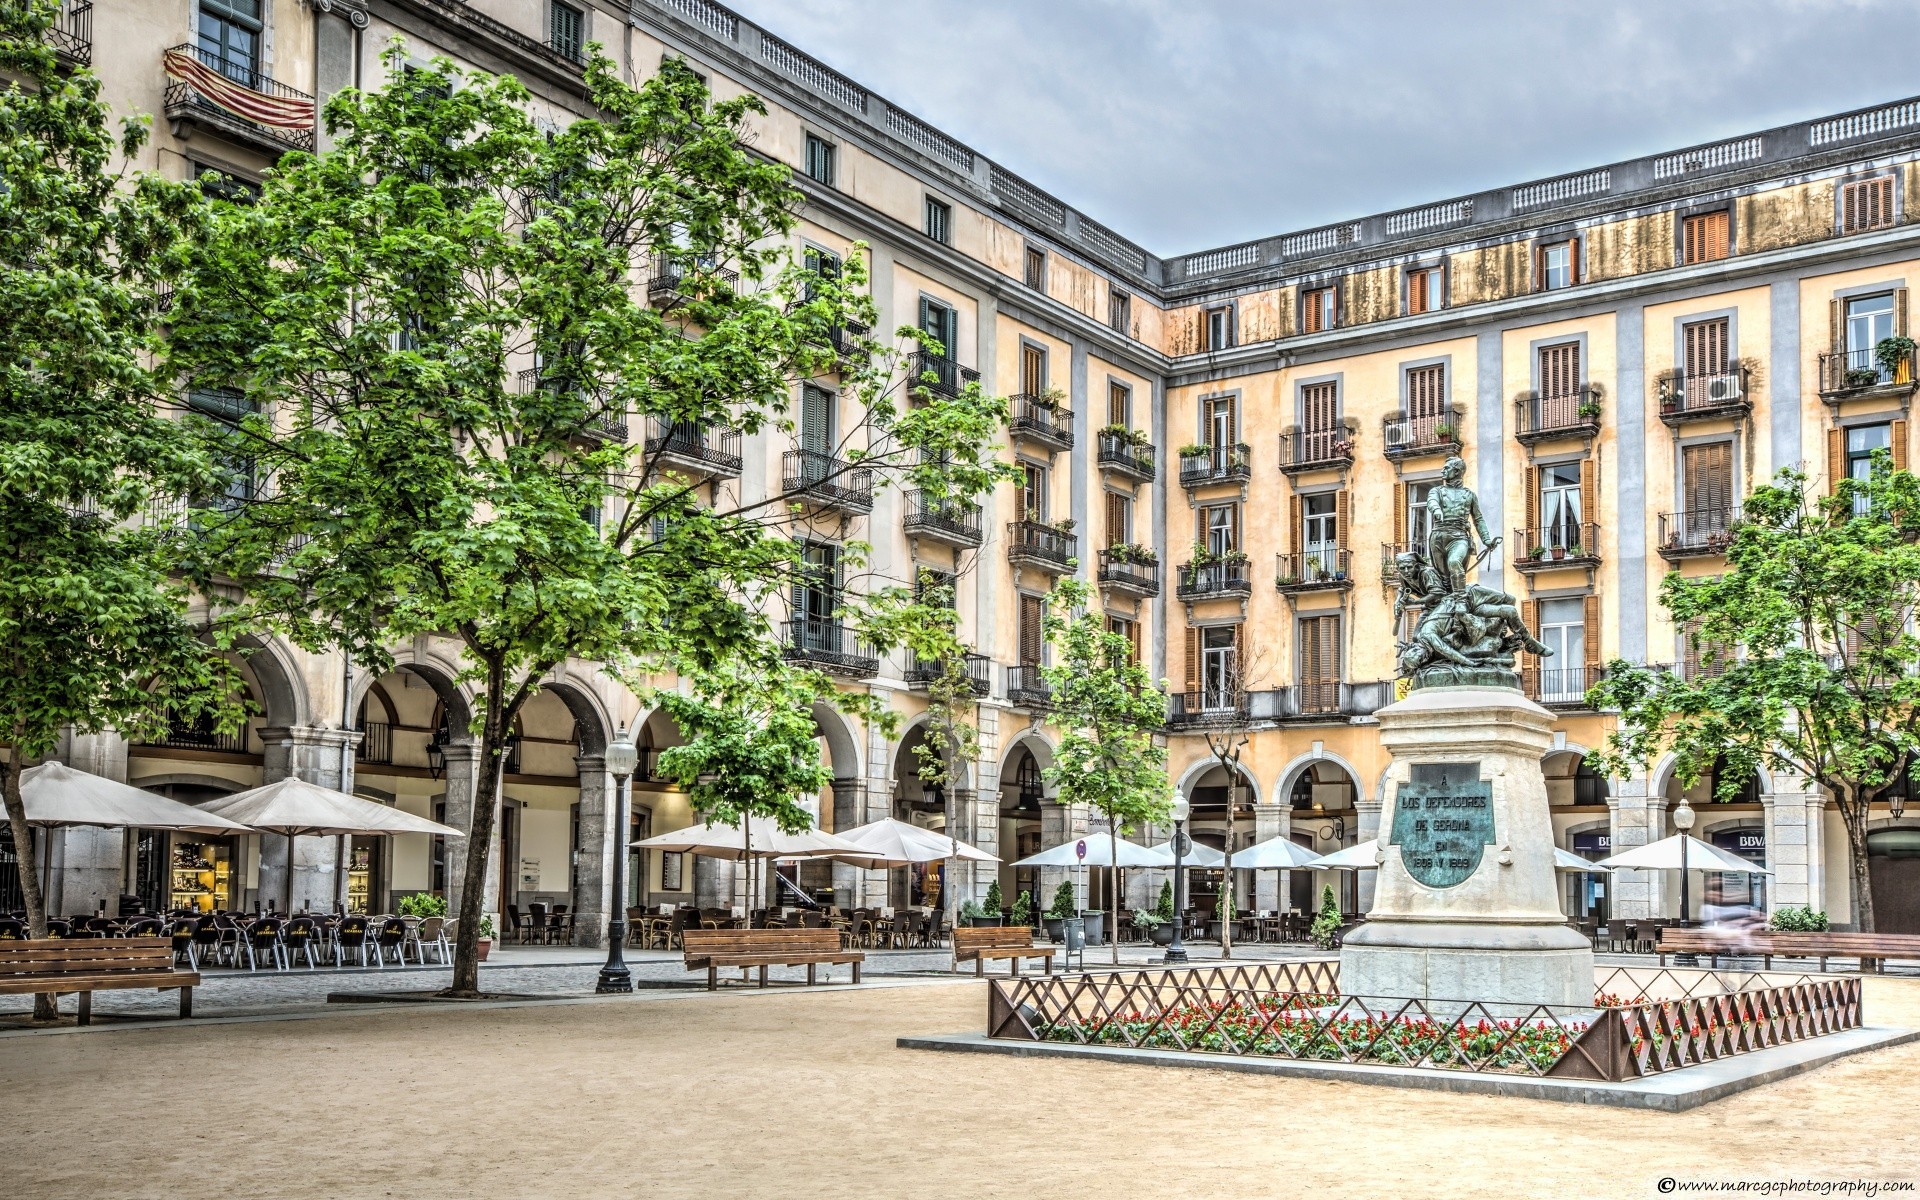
<point x="1188" y="124"/>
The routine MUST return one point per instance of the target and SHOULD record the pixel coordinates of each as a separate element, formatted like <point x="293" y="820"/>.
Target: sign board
<point x="1750" y="844"/>
<point x="1593" y="843"/>
<point x="1442" y="821"/>
<point x="1080" y="849"/>
<point x="529" y="874"/>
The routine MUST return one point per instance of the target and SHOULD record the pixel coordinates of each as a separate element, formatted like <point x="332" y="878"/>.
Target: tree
<point x="1802" y="656"/>
<point x="379" y="301"/>
<point x="1108" y="710"/>
<point x="1226" y="732"/>
<point x="96" y="634"/>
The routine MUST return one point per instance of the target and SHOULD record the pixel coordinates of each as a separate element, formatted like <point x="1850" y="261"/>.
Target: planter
<point x="985" y="922"/>
<point x="1056" y="928"/>
<point x="1096" y="927"/>
<point x="1558" y="553"/>
<point x="486" y="946"/>
<point x="1162" y="934"/>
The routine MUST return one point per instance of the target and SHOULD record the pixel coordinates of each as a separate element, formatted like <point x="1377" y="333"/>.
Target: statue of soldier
<point x="1453" y="518"/>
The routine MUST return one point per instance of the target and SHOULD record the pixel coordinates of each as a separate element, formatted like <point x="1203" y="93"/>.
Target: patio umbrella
<point x="1199" y="855"/>
<point x="1664" y="855"/>
<point x="301" y="809"/>
<point x="1278" y="854"/>
<point x="893" y="843"/>
<point x="756" y="838"/>
<point x="1103" y="850"/>
<point x="1357" y="857"/>
<point x="1567" y="860"/>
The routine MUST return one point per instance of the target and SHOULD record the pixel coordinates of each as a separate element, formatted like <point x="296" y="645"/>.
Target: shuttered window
<point x="1705" y="348"/>
<point x="1218" y="328"/>
<point x="1426" y="390"/>
<point x="1120" y="405"/>
<point x="1320" y="407"/>
<point x="1033" y="492"/>
<point x="1867" y="204"/>
<point x="941" y="322"/>
<point x="1119" y="519"/>
<point x="1032" y="630"/>
<point x="1033" y="369"/>
<point x="1119" y="311"/>
<point x="1129" y="630"/>
<point x="1222" y="429"/>
<point x="1319" y="664"/>
<point x="1703" y="238"/>
<point x="816" y="419"/>
<point x="817" y="584"/>
<point x="1424" y="290"/>
<point x="1036" y="269"/>
<point x="1317" y="310"/>
<point x="1556" y="265"/>
<point x="1560" y="370"/>
<point x="939" y="225"/>
<point x="1707" y="479"/>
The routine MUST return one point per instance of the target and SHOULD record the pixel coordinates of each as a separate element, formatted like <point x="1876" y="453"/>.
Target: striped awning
<point x="280" y="112"/>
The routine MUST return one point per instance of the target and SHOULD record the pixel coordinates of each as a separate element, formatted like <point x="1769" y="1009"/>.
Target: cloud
<point x="1186" y="124"/>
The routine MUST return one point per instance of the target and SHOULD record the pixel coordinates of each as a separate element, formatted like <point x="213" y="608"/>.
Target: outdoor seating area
<point x="263" y="941"/>
<point x="540" y="925"/>
<point x="857" y="928"/>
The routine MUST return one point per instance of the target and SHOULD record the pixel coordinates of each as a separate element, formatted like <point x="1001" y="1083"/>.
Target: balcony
<point x="1126" y="453"/>
<point x="1209" y="708"/>
<point x="376" y="744"/>
<point x="1307" y="450"/>
<point x="922" y="672"/>
<point x="72" y="33"/>
<point x="199" y="734"/>
<point x="598" y="424"/>
<point x="1403" y="437"/>
<point x="1560" y="687"/>
<point x="1697" y="532"/>
<point x="1319" y="569"/>
<point x="830" y="646"/>
<point x="1027" y="688"/>
<point x="222" y="404"/>
<point x="1543" y="418"/>
<point x="1697" y="397"/>
<point x="1040" y="421"/>
<point x="675" y="281"/>
<point x="232" y="100"/>
<point x="938" y="374"/>
<point x="1561" y="544"/>
<point x="693" y="446"/>
<point x="1389" y="569"/>
<point x="828" y="482"/>
<point x="1866" y="374"/>
<point x="1204" y="466"/>
<point x="1202" y="580"/>
<point x="845" y="339"/>
<point x="1131" y="569"/>
<point x="1319" y="700"/>
<point x="1038" y="544"/>
<point x="946" y="521"/>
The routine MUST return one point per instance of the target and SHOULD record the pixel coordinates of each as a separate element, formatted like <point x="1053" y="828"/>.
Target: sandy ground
<point x="803" y="1094"/>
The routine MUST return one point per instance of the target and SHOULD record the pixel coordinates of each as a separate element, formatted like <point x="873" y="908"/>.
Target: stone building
<point x="1618" y="354"/>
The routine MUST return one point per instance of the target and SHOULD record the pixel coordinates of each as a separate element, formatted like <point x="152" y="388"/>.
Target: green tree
<point x="1326" y="923"/>
<point x="1107" y="710"/>
<point x="96" y="634"/>
<point x="1803" y="655"/>
<point x="380" y="302"/>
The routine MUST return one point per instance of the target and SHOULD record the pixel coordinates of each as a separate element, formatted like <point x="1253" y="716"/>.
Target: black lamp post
<point x="1683" y="821"/>
<point x="621" y="759"/>
<point x="1176" y="951"/>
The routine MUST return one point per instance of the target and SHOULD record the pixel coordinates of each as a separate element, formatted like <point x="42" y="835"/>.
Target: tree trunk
<point x="1227" y="901"/>
<point x="44" y="1006"/>
<point x="473" y="879"/>
<point x="1853" y="814"/>
<point x="1113" y="887"/>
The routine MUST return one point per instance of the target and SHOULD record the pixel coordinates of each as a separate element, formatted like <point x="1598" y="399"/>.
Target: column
<point x="1791" y="814"/>
<point x="1367" y="817"/>
<point x="85" y="866"/>
<point x="1271" y="821"/>
<point x="593" y="861"/>
<point x="462" y="773"/>
<point x="1635" y="819"/>
<point x="1061" y="825"/>
<point x="319" y="756"/>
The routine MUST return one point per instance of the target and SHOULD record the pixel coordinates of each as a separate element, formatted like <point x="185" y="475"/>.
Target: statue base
<point x="1467" y="904"/>
<point x="1449" y="675"/>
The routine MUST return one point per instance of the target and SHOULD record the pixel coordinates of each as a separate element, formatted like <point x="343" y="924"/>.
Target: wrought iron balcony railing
<point x="1695" y="532"/>
<point x="1303" y="450"/>
<point x="1027" y="687"/>
<point x="1573" y="414"/>
<point x="1403" y="437"/>
<point x="979" y="668"/>
<point x="1208" y="707"/>
<point x="1216" y="464"/>
<point x="1560" y="687"/>
<point x="1199" y="580"/>
<point x="831" y="646"/>
<point x="1700" y="397"/>
<point x="937" y="373"/>
<point x="715" y="451"/>
<point x="72" y="32"/>
<point x="1120" y="452"/>
<point x="1130" y="569"/>
<point x="1039" y="544"/>
<point x="1845" y="373"/>
<point x="1037" y="420"/>
<point x="829" y="481"/>
<point x="1314" y="568"/>
<point x="1569" y="543"/>
<point x="274" y="118"/>
<point x="376" y="743"/>
<point x="675" y="280"/>
<point x="947" y="521"/>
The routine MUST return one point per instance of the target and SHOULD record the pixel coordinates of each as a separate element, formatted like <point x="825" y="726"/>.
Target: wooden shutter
<point x="1560" y="369"/>
<point x="1900" y="312"/>
<point x="1867" y="204"/>
<point x="1117" y="531"/>
<point x="1296" y="536"/>
<point x="1530" y="617"/>
<point x="1592" y="638"/>
<point x="1342" y="514"/>
<point x="1319" y="650"/>
<point x="1704" y="238"/>
<point x="1232" y="407"/>
<point x="1426" y="388"/>
<point x="1705" y="348"/>
<point x="816" y="419"/>
<point x="1576" y="262"/>
<point x="1399" y="517"/>
<point x="1233" y="526"/>
<point x="1032" y="630"/>
<point x="1708" y="477"/>
<point x="1897" y="434"/>
<point x="1033" y="370"/>
<point x="1117" y="397"/>
<point x="1836" y="459"/>
<point x="1589" y="492"/>
<point x="1532" y="481"/>
<point x="1539" y="268"/>
<point x="1193" y="660"/>
<point x="1320" y="407"/>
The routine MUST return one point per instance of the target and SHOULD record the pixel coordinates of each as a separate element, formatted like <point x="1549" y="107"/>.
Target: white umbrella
<point x="1281" y="853"/>
<point x="1354" y="858"/>
<point x="1198" y="854"/>
<point x="1101" y="848"/>
<point x="1664" y="855"/>
<point x="756" y="837"/>
<point x="1567" y="860"/>
<point x="298" y="808"/>
<point x="55" y="794"/>
<point x="899" y="843"/>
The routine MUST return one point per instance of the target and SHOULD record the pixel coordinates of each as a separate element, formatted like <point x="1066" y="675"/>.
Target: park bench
<point x="1872" y="949"/>
<point x="87" y="965"/>
<point x="982" y="943"/>
<point x="763" y="948"/>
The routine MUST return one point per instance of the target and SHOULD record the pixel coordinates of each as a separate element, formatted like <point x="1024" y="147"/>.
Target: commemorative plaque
<point x="1442" y="821"/>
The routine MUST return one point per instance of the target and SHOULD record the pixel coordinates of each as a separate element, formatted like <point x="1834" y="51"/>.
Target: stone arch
<point x="590" y="716"/>
<point x="1037" y="744"/>
<point x="1197" y="770"/>
<point x="282" y="691"/>
<point x="439" y="675"/>
<point x="1301" y="764"/>
<point x="1661" y="775"/>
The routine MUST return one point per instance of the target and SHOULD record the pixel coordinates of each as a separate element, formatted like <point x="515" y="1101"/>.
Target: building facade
<point x="1616" y="355"/>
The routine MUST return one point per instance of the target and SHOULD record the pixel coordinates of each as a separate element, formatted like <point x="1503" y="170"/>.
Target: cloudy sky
<point x="1186" y="124"/>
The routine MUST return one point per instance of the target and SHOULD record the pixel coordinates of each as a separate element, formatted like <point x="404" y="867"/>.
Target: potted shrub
<point x="972" y="913"/>
<point x="486" y="938"/>
<point x="1860" y="377"/>
<point x="1195" y="450"/>
<point x="1589" y="410"/>
<point x="1150" y="923"/>
<point x="1050" y="398"/>
<point x="1325" y="930"/>
<point x="422" y="905"/>
<point x="1559" y="552"/>
<point x="993" y="909"/>
<point x="1574" y="551"/>
<point x="1443" y="432"/>
<point x="1537" y="553"/>
<point x="1163" y="909"/>
<point x="1022" y="910"/>
<point x="1895" y="356"/>
<point x="1058" y="912"/>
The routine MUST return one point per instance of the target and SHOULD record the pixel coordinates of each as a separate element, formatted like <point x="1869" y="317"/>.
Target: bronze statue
<point x="1467" y="633"/>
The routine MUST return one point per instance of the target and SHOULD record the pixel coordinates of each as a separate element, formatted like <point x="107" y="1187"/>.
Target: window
<point x="819" y="160"/>
<point x="942" y="323"/>
<point x="1219" y="667"/>
<point x="1317" y="311"/>
<point x="1221" y="428"/>
<point x="1033" y="369"/>
<point x="1560" y="525"/>
<point x="939" y="224"/>
<point x="1033" y="492"/>
<point x="230" y="37"/>
<point x="934" y="588"/>
<point x="1557" y="266"/>
<point x="1426" y="391"/>
<point x="566" y="28"/>
<point x="1119" y="519"/>
<point x="1417" y="514"/>
<point x="1867" y="204"/>
<point x="1563" y="629"/>
<point x="821" y="264"/>
<point x="816" y="593"/>
<point x="1862" y="441"/>
<point x="1319" y="534"/>
<point x="1129" y="630"/>
<point x="1220" y="528"/>
<point x="1119" y="405"/>
<point x="1320" y="407"/>
<point x="1423" y="290"/>
<point x="1319" y="664"/>
<point x="1704" y="238"/>
<point x="1704" y="349"/>
<point x="816" y="420"/>
<point x="1559" y="386"/>
<point x="223" y="186"/>
<point x="1219" y="328"/>
<point x="1869" y="319"/>
<point x="1119" y="310"/>
<point x="1036" y="269"/>
<point x="1706" y="480"/>
<point x="1033" y="636"/>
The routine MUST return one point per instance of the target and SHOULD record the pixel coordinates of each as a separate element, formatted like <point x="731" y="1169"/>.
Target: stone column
<point x="600" y="841"/>
<point x="1793" y="814"/>
<point x="1366" y="813"/>
<point x="318" y="756"/>
<point x="1635" y="819"/>
<point x="849" y="812"/>
<point x="1271" y="821"/>
<point x="462" y="774"/>
<point x="1061" y="825"/>
<point x="85" y="867"/>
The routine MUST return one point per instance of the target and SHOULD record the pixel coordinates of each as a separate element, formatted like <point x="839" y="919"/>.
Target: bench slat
<point x="98" y="983"/>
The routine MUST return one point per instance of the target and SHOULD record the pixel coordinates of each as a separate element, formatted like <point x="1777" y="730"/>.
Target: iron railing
<point x="1403" y="436"/>
<point x="200" y="734"/>
<point x="947" y="521"/>
<point x="1128" y="572"/>
<point x="1843" y="372"/>
<point x="1122" y="453"/>
<point x="1216" y="464"/>
<point x="827" y="480"/>
<point x="1562" y="686"/>
<point x="1697" y="531"/>
<point x="183" y="98"/>
<point x="716" y="450"/>
<point x="376" y="743"/>
<point x="948" y="376"/>
<point x="828" y="644"/>
<point x="1207" y="707"/>
<point x="1037" y="420"/>
<point x="1314" y="568"/>
<point x="1315" y="450"/>
<point x="1699" y="396"/>
<point x="1041" y="545"/>
<point x="979" y="668"/>
<point x="1570" y="414"/>
<point x="72" y="32"/>
<point x="1558" y="542"/>
<point x="598" y="422"/>
<point x="674" y="279"/>
<point x="1027" y="687"/>
<point x="1199" y="579"/>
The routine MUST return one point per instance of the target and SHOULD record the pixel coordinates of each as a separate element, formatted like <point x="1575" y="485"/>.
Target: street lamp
<point x="622" y="758"/>
<point x="1176" y="952"/>
<point x="1683" y="821"/>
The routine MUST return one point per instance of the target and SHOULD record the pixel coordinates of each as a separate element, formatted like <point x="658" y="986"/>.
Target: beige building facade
<point x="1617" y="355"/>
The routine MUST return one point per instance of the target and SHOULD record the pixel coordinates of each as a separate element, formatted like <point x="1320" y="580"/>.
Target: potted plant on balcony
<point x="1859" y="377"/>
<point x="1343" y="448"/>
<point x="1141" y="439"/>
<point x="1559" y="552"/>
<point x="1589" y="410"/>
<point x="1050" y="398"/>
<point x="1895" y="356"/>
<point x="1443" y="432"/>
<point x="1537" y="553"/>
<point x="1060" y="911"/>
<point x="1235" y="558"/>
<point x="1195" y="450"/>
<point x="1574" y="551"/>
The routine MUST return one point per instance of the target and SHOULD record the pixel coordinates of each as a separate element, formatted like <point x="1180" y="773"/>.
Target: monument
<point x="1466" y="904"/>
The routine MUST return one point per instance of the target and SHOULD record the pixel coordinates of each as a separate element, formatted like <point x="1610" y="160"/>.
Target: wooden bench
<point x="763" y="948"/>
<point x="54" y="966"/>
<point x="1013" y="943"/>
<point x="1872" y="949"/>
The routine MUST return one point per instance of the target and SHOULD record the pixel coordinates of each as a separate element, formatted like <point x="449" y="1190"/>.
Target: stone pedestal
<point x="1472" y="911"/>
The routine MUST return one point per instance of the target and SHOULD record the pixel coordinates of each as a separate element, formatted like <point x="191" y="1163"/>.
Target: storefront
<point x="201" y="876"/>
<point x="363" y="874"/>
<point x="1730" y="892"/>
<point x="1587" y="890"/>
